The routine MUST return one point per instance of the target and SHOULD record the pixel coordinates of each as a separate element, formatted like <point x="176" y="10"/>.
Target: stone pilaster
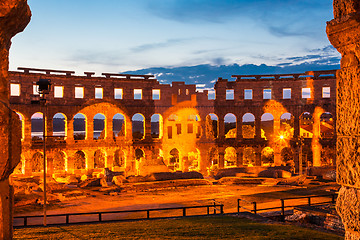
<point x="344" y="34"/>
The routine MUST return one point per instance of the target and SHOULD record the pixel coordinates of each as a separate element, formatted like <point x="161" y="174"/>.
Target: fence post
<point x="238" y="205"/>
<point x="208" y="210"/>
<point x="67" y="218"/>
<point x="99" y="217"/>
<point x="254" y="205"/>
<point x="222" y="209"/>
<point x="282" y="210"/>
<point x="309" y="201"/>
<point x="25" y="221"/>
<point x="214" y="207"/>
<point x="147" y="214"/>
<point x="184" y="212"/>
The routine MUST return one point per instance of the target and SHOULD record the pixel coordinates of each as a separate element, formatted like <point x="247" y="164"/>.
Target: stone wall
<point x="14" y="16"/>
<point x="344" y="34"/>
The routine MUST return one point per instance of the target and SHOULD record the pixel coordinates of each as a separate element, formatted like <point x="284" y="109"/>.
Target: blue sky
<point x="126" y="35"/>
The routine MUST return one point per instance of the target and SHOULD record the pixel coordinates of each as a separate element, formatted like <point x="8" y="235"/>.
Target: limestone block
<point x="348" y="206"/>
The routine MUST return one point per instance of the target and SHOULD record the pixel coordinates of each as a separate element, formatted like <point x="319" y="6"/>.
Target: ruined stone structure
<point x="14" y="16"/>
<point x="344" y="34"/>
<point x="132" y="123"/>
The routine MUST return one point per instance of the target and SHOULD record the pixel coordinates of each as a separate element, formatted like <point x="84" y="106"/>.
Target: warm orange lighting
<point x="281" y="136"/>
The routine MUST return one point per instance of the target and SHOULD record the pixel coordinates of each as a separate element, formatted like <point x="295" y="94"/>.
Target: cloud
<point x="152" y="46"/>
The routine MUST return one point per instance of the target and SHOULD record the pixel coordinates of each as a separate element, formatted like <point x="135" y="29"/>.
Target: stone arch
<point x="119" y="125"/>
<point x="22" y="120"/>
<point x="138" y="127"/>
<point x="287" y="125"/>
<point x="79" y="126"/>
<point x="80" y="160"/>
<point x="60" y="162"/>
<point x="156" y="126"/>
<point x="119" y="158"/>
<point x="287" y="156"/>
<point x="212" y="126"/>
<point x="267" y="126"/>
<point x="37" y="126"/>
<point x="267" y="157"/>
<point x="327" y="125"/>
<point x="249" y="156"/>
<point x="248" y="125"/>
<point x="306" y="125"/>
<point x="174" y="160"/>
<point x="99" y="126"/>
<point x="230" y="157"/>
<point x="194" y="159"/>
<point x="37" y="162"/>
<point x="99" y="159"/>
<point x="230" y="125"/>
<point x="213" y="156"/>
<point x="59" y="125"/>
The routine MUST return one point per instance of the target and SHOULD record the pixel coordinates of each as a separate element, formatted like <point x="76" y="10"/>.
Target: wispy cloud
<point x="152" y="46"/>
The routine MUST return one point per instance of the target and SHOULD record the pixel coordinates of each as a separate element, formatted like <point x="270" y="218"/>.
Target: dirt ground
<point x="96" y="199"/>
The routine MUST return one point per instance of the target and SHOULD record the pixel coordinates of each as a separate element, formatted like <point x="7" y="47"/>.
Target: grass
<point x="218" y="227"/>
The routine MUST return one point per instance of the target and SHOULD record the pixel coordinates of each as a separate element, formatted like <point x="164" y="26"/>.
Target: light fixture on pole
<point x="43" y="89"/>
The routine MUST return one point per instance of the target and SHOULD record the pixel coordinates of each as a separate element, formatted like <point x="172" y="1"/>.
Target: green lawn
<point x="219" y="227"/>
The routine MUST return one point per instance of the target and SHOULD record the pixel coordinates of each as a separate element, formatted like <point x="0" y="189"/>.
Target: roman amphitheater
<point x="134" y="124"/>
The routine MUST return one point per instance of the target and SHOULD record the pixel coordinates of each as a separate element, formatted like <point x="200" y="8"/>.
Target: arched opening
<point x="174" y="161"/>
<point x="119" y="158"/>
<point x="326" y="125"/>
<point x="249" y="157"/>
<point x="306" y="125"/>
<point x="79" y="160"/>
<point x="59" y="125"/>
<point x="287" y="157"/>
<point x="37" y="126"/>
<point x="248" y="125"/>
<point x="230" y="125"/>
<point x="156" y="126"/>
<point x="99" y="159"/>
<point x="37" y="163"/>
<point x="139" y="153"/>
<point x="59" y="162"/>
<point x="267" y="157"/>
<point x="267" y="126"/>
<point x="194" y="160"/>
<point x="287" y="125"/>
<point x="138" y="126"/>
<point x="118" y="122"/>
<point x="79" y="126"/>
<point x="212" y="126"/>
<point x="21" y="118"/>
<point x="213" y="157"/>
<point x="230" y="157"/>
<point x="328" y="156"/>
<point x="99" y="127"/>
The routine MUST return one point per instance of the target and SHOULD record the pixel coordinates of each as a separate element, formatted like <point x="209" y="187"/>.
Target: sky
<point x="127" y="35"/>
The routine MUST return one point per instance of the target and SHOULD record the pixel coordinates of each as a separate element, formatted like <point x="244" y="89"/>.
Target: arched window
<point x="99" y="126"/>
<point x="37" y="126"/>
<point x="267" y="126"/>
<point x="59" y="125"/>
<point x="156" y="126"/>
<point x="118" y="125"/>
<point x="79" y="160"/>
<point x="138" y="128"/>
<point x="248" y="125"/>
<point x="79" y="126"/>
<point x="212" y="126"/>
<point x="230" y="125"/>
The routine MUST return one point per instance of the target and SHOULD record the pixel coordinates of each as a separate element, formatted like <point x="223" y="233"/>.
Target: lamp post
<point x="43" y="89"/>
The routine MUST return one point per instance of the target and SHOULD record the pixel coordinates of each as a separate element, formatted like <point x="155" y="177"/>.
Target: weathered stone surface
<point x="119" y="180"/>
<point x="344" y="34"/>
<point x="92" y="182"/>
<point x="14" y="16"/>
<point x="348" y="206"/>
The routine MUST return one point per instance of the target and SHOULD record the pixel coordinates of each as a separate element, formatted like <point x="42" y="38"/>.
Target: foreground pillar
<point x="14" y="16"/>
<point x="344" y="34"/>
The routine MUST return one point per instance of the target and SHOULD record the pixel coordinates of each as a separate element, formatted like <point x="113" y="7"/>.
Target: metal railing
<point x="255" y="209"/>
<point x="217" y="208"/>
